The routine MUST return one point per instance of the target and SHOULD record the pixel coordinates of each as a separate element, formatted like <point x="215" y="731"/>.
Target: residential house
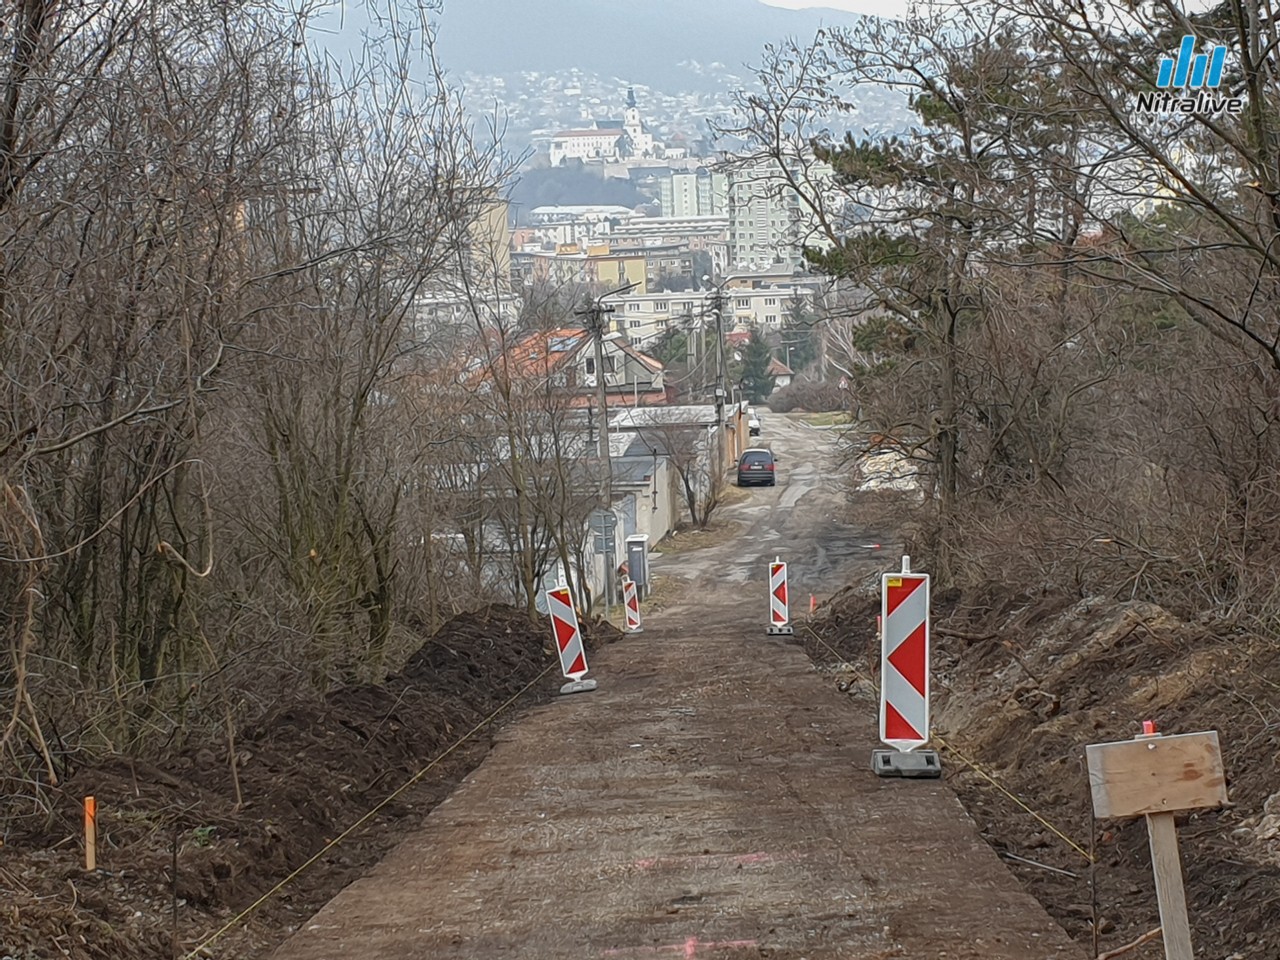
<point x="691" y="439"/>
<point x="782" y="374"/>
<point x="565" y="358"/>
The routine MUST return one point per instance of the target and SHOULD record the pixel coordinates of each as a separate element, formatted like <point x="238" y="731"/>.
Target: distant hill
<point x="573" y="183"/>
<point x="655" y="42"/>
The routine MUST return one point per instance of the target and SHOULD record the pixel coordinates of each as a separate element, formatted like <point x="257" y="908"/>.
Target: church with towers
<point x="608" y="141"/>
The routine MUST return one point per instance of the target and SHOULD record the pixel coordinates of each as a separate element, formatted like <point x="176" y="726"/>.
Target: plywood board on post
<point x="1156" y="775"/>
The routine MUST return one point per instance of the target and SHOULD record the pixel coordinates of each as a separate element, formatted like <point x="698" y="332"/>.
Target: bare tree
<point x="210" y="251"/>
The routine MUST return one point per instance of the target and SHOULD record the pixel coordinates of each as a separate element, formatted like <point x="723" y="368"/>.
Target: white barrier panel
<point x="904" y="660"/>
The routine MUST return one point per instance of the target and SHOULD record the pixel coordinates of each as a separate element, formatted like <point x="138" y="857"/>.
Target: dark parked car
<point x="757" y="466"/>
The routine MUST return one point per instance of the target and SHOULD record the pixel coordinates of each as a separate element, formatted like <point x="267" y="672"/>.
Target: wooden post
<point x="1154" y="776"/>
<point x="1170" y="895"/>
<point x="90" y="834"/>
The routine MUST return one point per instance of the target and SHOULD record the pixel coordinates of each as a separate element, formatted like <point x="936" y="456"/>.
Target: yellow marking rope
<point x="240" y="917"/>
<point x="973" y="765"/>
<point x="999" y="786"/>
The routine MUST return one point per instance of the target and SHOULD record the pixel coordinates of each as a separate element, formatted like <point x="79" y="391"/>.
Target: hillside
<point x="663" y="43"/>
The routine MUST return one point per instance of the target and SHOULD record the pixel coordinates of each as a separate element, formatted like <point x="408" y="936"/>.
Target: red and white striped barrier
<point x="630" y="600"/>
<point x="564" y="624"/>
<point x="904" y="659"/>
<point x="779" y="610"/>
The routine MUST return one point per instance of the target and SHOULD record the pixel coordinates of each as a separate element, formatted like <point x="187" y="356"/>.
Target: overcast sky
<point x="880" y="8"/>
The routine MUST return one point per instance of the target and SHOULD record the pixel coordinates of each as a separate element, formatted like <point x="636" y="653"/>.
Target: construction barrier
<point x="904" y="659"/>
<point x="631" y="601"/>
<point x="779" y="611"/>
<point x="564" y="624"/>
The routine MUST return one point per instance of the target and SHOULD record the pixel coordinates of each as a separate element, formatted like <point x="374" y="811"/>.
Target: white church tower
<point x="642" y="142"/>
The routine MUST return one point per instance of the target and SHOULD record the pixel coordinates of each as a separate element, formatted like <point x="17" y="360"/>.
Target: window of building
<point x="634" y="324"/>
<point x="633" y="307"/>
<point x="610" y="365"/>
<point x="744" y="301"/>
<point x="770" y="301"/>
<point x="771" y="318"/>
<point x="661" y="305"/>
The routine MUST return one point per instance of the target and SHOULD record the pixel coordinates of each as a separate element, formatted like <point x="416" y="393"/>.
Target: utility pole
<point x="597" y="323"/>
<point x="595" y="319"/>
<point x="721" y="392"/>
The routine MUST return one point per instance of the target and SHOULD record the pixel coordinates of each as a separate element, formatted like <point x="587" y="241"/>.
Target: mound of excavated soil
<point x="306" y="773"/>
<point x="1022" y="686"/>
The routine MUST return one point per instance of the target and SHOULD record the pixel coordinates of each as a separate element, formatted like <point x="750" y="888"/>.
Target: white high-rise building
<point x="697" y="193"/>
<point x="769" y="224"/>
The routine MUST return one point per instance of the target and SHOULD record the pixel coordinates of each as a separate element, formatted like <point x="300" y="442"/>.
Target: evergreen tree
<point x="799" y="336"/>
<point x="756" y="357"/>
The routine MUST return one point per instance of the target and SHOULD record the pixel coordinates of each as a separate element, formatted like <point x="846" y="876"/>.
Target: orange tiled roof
<point x="545" y="351"/>
<point x="777" y="368"/>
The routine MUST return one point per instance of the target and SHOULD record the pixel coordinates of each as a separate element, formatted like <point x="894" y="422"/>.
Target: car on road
<point x="753" y="426"/>
<point x="757" y="465"/>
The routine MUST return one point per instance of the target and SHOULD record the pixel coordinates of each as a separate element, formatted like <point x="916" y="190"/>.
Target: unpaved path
<point x="712" y="799"/>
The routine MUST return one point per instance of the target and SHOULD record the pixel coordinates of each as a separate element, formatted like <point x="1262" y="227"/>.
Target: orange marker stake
<point x="90" y="834"/>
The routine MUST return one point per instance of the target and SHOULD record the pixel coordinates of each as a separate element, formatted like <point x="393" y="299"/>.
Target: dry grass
<point x="719" y="531"/>
<point x="664" y="592"/>
<point x="826" y="419"/>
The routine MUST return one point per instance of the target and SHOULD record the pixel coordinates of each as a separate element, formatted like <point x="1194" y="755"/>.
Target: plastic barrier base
<point x="781" y="631"/>
<point x="578" y="686"/>
<point x="918" y="764"/>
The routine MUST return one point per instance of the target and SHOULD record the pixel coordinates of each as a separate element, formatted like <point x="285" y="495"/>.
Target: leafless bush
<point x="812" y="396"/>
<point x="213" y="429"/>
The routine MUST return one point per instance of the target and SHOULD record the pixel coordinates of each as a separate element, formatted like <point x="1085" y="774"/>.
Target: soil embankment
<point x="1021" y="686"/>
<point x="306" y="773"/>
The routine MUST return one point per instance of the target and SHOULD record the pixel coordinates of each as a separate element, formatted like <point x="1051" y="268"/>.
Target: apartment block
<point x="697" y="193"/>
<point x="769" y="224"/>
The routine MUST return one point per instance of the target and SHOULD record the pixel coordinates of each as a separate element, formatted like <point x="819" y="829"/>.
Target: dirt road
<point x="712" y="799"/>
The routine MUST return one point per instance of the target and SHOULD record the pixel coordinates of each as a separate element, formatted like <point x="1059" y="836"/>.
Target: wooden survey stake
<point x="1156" y="777"/>
<point x="90" y="834"/>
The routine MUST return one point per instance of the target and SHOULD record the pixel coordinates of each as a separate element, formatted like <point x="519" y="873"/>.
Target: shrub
<point x="809" y="396"/>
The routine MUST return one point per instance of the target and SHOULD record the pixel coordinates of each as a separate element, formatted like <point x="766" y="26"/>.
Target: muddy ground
<point x="1023" y="683"/>
<point x="306" y="773"/>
